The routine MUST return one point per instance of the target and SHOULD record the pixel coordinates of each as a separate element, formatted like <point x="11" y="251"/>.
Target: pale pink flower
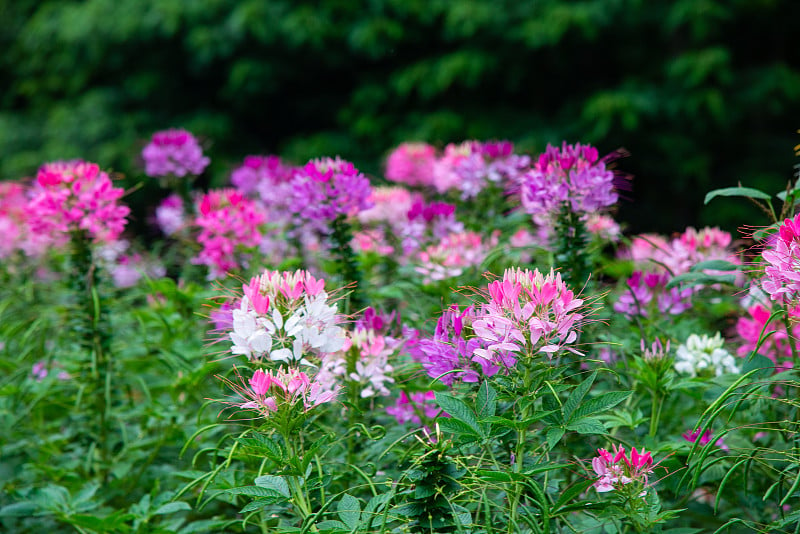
<point x="453" y="254"/>
<point x="782" y="274"/>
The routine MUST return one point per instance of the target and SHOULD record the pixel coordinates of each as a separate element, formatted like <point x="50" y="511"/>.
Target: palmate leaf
<point x="601" y="403"/>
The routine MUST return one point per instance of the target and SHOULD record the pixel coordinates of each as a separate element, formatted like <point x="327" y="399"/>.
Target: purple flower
<point x="644" y="289"/>
<point x="327" y="188"/>
<point x="173" y="152"/>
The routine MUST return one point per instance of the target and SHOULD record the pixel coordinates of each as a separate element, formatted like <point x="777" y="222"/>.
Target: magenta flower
<point x="328" y="188"/>
<point x="427" y="223"/>
<point x="453" y="254"/>
<point x="173" y="153"/>
<point x="14" y="223"/>
<point x="76" y="196"/>
<point x="471" y="166"/>
<point x="411" y="164"/>
<point x="228" y="223"/>
<point x="268" y="392"/>
<point x="616" y="469"/>
<point x="692" y="436"/>
<point x="777" y="346"/>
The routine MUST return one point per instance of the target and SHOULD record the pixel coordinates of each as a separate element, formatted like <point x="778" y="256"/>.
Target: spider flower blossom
<point x="693" y="435"/>
<point x="616" y="469"/>
<point x="777" y="345"/>
<point x="704" y="355"/>
<point x="389" y="204"/>
<point x="173" y="152"/>
<point x="286" y="317"/>
<point x="782" y="274"/>
<point x="527" y="312"/>
<point x="76" y="196"/>
<point x="450" y="354"/>
<point x="14" y="225"/>
<point x="370" y="369"/>
<point x="327" y="188"/>
<point x="453" y="254"/>
<point x="267" y="392"/>
<point x="411" y="164"/>
<point x="648" y="294"/>
<point x="170" y="215"/>
<point x="428" y="222"/>
<point x="412" y="408"/>
<point x="472" y="165"/>
<point x="228" y="222"/>
<point x="572" y="175"/>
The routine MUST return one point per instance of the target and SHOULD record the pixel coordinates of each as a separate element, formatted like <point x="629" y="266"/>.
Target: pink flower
<point x="528" y="313"/>
<point x="268" y="392"/>
<point x="173" y="152"/>
<point x="453" y="254"/>
<point x="412" y="409"/>
<point x="647" y="295"/>
<point x="777" y="345"/>
<point x="229" y="222"/>
<point x="170" y="215"/>
<point x="616" y="469"/>
<point x="782" y="275"/>
<point x="327" y="188"/>
<point x="411" y="164"/>
<point x="76" y="196"/>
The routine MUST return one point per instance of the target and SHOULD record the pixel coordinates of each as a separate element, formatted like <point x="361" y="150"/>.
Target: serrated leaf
<point x="588" y="425"/>
<point x="258" y="504"/>
<point x="332" y="526"/>
<point x="748" y="192"/>
<point x="256" y="491"/>
<point x="601" y="403"/>
<point x="458" y="410"/>
<point x="486" y="401"/>
<point x="458" y="428"/>
<point x="349" y="510"/>
<point x="172" y="507"/>
<point x="554" y="435"/>
<point x="273" y="482"/>
<point x="577" y="395"/>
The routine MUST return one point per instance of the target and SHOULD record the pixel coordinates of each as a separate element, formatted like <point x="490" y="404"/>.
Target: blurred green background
<point x="702" y="93"/>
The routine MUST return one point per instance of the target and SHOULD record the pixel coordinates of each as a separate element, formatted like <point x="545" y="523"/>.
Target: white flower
<point x="249" y="336"/>
<point x="704" y="355"/>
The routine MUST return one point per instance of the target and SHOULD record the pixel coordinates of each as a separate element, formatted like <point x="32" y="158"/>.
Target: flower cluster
<point x="470" y="166"/>
<point x="777" y="345"/>
<point x="411" y="164"/>
<point x="267" y="176"/>
<point x="173" y="152"/>
<point x="328" y="188"/>
<point x="76" y="196"/>
<point x="453" y="254"/>
<point x="228" y="222"/>
<point x="428" y="222"/>
<point x="268" y="392"/>
<point x="170" y="215"/>
<point x="648" y="294"/>
<point x="617" y="469"/>
<point x="704" y="355"/>
<point x="782" y="274"/>
<point x="527" y="313"/>
<point x="573" y="176"/>
<point x="450" y="354"/>
<point x="14" y="226"/>
<point x="413" y="408"/>
<point x="678" y="255"/>
<point x="285" y="317"/>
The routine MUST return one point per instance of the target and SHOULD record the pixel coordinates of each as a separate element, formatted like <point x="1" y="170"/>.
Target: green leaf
<point x="459" y="429"/>
<point x="576" y="397"/>
<point x="349" y="510"/>
<point x="172" y="507"/>
<point x="554" y="435"/>
<point x="24" y="508"/>
<point x="256" y="491"/>
<point x="736" y="192"/>
<point x="715" y="265"/>
<point x="486" y="401"/>
<point x="601" y="403"/>
<point x="458" y="410"/>
<point x="758" y="361"/>
<point x="276" y="483"/>
<point x="331" y="526"/>
<point x="698" y="278"/>
<point x="589" y="425"/>
<point x="258" y="504"/>
<point x="571" y="493"/>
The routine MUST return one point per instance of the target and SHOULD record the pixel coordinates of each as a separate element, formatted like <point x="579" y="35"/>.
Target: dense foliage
<point x="703" y="93"/>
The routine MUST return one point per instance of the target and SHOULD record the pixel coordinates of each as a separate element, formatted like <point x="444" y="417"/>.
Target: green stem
<point x="655" y="413"/>
<point x="348" y="262"/>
